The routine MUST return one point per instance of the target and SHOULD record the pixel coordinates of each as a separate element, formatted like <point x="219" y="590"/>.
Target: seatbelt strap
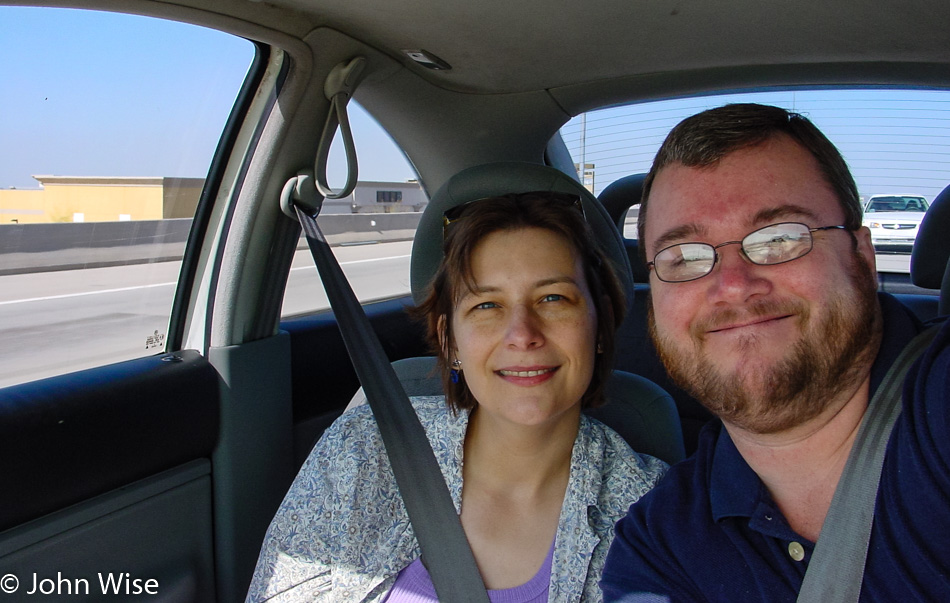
<point x="836" y="570"/>
<point x="445" y="549"/>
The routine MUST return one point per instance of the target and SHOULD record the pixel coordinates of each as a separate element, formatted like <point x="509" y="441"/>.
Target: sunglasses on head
<point x="454" y="214"/>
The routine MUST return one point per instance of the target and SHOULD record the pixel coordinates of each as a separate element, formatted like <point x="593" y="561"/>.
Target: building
<point x="118" y="199"/>
<point x="387" y="197"/>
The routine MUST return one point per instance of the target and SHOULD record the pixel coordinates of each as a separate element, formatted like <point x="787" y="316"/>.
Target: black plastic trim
<point x="68" y="438"/>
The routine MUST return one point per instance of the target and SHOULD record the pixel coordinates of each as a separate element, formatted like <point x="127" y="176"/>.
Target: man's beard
<point x="829" y="358"/>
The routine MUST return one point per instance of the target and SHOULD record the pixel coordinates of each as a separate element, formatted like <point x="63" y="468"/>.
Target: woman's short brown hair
<point x="469" y="226"/>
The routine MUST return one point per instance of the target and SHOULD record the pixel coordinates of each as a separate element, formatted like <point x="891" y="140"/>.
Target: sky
<point x="95" y="94"/>
<point x="88" y="93"/>
<point x="895" y="141"/>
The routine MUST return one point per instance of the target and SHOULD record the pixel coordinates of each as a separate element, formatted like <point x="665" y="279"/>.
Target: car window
<point x="371" y="230"/>
<point x="116" y="121"/>
<point x="896" y="203"/>
<point x="891" y="139"/>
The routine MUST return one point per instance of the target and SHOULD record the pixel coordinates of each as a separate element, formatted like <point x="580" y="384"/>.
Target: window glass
<point x="110" y="123"/>
<point x="895" y="141"/>
<point x="371" y="230"/>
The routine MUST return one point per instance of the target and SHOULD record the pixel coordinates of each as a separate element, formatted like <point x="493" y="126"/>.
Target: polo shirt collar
<point x="734" y="488"/>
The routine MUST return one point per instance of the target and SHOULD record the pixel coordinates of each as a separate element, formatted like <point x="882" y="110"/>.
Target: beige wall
<point x="65" y="199"/>
<point x="94" y="199"/>
<point x="22" y="207"/>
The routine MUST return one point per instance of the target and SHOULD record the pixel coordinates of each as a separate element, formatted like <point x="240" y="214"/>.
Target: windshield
<point x="897" y="203"/>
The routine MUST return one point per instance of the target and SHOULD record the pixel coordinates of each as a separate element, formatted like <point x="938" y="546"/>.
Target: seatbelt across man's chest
<point x="836" y="570"/>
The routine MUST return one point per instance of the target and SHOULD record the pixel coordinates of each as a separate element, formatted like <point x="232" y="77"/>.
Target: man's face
<point x="763" y="347"/>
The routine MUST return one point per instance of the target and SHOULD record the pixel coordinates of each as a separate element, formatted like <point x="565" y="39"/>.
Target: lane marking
<point x="121" y="289"/>
<point x="84" y="293"/>
<point x="391" y="257"/>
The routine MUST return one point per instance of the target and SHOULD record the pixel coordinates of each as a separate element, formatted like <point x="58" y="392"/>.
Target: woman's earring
<point x="456" y="369"/>
<point x="600" y="348"/>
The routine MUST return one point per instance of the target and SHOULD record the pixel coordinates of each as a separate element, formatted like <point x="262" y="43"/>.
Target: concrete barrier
<point x="26" y="248"/>
<point x="365" y="228"/>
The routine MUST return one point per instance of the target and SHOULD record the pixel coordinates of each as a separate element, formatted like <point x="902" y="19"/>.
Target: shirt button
<point x="796" y="551"/>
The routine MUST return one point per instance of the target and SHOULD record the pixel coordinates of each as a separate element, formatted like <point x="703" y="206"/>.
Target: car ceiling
<point x="554" y="59"/>
<point x="500" y="46"/>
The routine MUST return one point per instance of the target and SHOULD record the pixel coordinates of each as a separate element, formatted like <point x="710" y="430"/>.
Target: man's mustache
<point x="754" y="311"/>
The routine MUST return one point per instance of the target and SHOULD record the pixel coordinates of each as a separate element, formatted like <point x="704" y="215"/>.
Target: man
<point x="764" y="307"/>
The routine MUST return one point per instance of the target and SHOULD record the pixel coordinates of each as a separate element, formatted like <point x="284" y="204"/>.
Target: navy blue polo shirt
<point x="710" y="531"/>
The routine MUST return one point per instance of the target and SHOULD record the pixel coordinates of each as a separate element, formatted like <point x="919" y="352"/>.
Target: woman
<point x="522" y="313"/>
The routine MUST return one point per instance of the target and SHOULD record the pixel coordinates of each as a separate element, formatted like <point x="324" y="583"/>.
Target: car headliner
<point x="580" y="56"/>
<point x="499" y="46"/>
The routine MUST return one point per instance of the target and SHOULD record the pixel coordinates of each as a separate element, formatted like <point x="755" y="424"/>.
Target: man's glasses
<point x="454" y="214"/>
<point x="773" y="244"/>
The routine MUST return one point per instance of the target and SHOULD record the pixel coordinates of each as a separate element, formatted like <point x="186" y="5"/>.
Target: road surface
<point x="58" y="322"/>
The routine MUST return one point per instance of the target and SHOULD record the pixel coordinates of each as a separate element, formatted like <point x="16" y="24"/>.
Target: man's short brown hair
<point x="705" y="138"/>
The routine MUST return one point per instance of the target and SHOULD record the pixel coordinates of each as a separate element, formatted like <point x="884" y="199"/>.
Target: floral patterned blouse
<point x="342" y="532"/>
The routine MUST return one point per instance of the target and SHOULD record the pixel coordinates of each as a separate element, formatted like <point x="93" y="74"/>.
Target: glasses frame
<point x="744" y="253"/>
<point x="454" y="214"/>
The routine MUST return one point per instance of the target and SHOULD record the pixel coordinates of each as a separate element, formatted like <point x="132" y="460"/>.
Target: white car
<point x="894" y="220"/>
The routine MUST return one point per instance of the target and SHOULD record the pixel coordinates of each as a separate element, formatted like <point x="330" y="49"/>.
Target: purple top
<point x="413" y="585"/>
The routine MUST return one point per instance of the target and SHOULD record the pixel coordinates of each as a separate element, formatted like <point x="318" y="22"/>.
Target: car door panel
<point x="108" y="471"/>
<point x="152" y="534"/>
<point x="68" y="438"/>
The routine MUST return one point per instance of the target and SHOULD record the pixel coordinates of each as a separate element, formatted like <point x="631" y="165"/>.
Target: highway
<point x="58" y="322"/>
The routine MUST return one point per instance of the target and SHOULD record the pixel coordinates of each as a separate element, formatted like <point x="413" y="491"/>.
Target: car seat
<point x="930" y="258"/>
<point x="617" y="198"/>
<point x="635" y="350"/>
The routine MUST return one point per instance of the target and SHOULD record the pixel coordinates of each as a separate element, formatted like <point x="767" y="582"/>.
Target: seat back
<point x="635" y="350"/>
<point x="617" y="198"/>
<point x="930" y="258"/>
<point x="639" y="410"/>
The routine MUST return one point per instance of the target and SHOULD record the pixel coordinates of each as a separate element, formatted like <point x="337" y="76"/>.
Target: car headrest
<point x="617" y="198"/>
<point x="495" y="179"/>
<point x="620" y="195"/>
<point x="928" y="260"/>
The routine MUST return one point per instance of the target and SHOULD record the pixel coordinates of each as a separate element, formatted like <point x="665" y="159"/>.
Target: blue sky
<point x="895" y="141"/>
<point x="95" y="94"/>
<point x="88" y="93"/>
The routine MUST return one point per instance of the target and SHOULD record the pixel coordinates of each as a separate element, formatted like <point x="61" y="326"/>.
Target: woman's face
<point x="526" y="337"/>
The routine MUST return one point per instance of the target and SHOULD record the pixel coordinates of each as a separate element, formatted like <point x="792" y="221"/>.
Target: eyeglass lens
<point x="773" y="244"/>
